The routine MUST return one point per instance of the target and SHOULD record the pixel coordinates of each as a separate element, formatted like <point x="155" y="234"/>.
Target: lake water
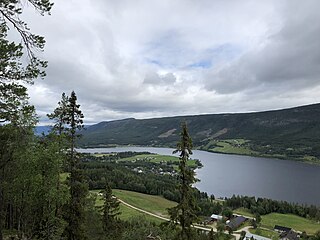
<point x="224" y="175"/>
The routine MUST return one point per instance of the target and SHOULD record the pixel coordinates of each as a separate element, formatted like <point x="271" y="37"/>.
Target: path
<point x="157" y="216"/>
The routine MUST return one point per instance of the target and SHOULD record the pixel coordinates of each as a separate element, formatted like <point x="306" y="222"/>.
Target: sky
<point x="157" y="58"/>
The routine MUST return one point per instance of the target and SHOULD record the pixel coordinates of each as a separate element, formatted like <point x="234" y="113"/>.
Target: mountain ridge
<point x="272" y="131"/>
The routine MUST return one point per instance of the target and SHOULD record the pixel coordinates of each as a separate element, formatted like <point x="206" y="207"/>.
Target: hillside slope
<point x="288" y="133"/>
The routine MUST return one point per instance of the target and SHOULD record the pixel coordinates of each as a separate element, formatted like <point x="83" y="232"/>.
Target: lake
<point x="224" y="175"/>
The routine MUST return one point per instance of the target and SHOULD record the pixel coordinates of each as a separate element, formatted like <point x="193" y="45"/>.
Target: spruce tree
<point x="68" y="122"/>
<point x="78" y="189"/>
<point x="110" y="212"/>
<point x="185" y="212"/>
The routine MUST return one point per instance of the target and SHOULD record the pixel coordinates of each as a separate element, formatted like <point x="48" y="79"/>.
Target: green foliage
<point x="185" y="212"/>
<point x="29" y="182"/>
<point x="68" y="121"/>
<point x="227" y="212"/>
<point x="221" y="226"/>
<point x="110" y="212"/>
<point x="10" y="12"/>
<point x="59" y="115"/>
<point x="242" y="235"/>
<point x="20" y="176"/>
<point x="289" y="220"/>
<point x="263" y="206"/>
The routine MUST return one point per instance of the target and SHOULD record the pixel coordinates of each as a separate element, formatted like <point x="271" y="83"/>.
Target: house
<point x="215" y="217"/>
<point x="291" y="235"/>
<point x="235" y="222"/>
<point x="281" y="229"/>
<point x="250" y="236"/>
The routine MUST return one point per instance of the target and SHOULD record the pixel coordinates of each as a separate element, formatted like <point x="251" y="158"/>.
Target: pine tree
<point x="58" y="134"/>
<point x="185" y="212"/>
<point x="15" y="111"/>
<point x="59" y="115"/>
<point x="110" y="211"/>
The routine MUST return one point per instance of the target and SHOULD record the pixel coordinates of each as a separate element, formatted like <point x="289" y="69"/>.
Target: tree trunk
<point x="1" y="212"/>
<point x="1" y="237"/>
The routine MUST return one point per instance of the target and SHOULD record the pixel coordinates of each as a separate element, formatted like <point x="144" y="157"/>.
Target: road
<point x="157" y="216"/>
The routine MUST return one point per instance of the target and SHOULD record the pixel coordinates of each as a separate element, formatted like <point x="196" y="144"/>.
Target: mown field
<point x="154" y="204"/>
<point x="243" y="211"/>
<point x="265" y="233"/>
<point x="233" y="146"/>
<point x="289" y="220"/>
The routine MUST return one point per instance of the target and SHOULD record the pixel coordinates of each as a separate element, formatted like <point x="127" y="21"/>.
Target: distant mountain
<point x="288" y="133"/>
<point x="39" y="130"/>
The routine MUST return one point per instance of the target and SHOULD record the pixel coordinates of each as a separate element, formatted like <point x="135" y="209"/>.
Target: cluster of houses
<point x="158" y="171"/>
<point x="236" y="221"/>
<point x="231" y="224"/>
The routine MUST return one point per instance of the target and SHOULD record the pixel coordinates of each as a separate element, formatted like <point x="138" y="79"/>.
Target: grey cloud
<point x="290" y="58"/>
<point x="201" y="57"/>
<point x="155" y="78"/>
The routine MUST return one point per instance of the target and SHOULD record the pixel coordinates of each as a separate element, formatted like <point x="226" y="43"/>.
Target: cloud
<point x="157" y="79"/>
<point x="289" y="60"/>
<point x="148" y="59"/>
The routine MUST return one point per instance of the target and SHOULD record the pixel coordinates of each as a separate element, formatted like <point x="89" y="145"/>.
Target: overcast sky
<point x="154" y="58"/>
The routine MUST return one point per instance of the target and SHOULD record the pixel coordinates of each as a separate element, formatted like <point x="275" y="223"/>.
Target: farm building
<point x="235" y="222"/>
<point x="291" y="235"/>
<point x="250" y="236"/>
<point x="215" y="217"/>
<point x="281" y="229"/>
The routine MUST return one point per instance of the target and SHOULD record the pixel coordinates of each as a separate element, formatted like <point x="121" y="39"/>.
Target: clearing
<point x="290" y="220"/>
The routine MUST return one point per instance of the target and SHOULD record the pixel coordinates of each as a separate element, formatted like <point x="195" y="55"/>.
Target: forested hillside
<point x="289" y="133"/>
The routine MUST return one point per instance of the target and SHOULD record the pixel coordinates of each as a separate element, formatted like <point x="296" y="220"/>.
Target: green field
<point x="127" y="213"/>
<point x="234" y="146"/>
<point x="243" y="211"/>
<point x="158" y="159"/>
<point x="154" y="204"/>
<point x="264" y="233"/>
<point x="289" y="220"/>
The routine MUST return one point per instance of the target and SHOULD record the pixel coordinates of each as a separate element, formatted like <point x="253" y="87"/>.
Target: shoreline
<point x="211" y="151"/>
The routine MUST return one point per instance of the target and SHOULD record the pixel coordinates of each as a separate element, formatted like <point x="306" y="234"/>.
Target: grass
<point x="234" y="146"/>
<point x="264" y="233"/>
<point x="289" y="220"/>
<point x="155" y="158"/>
<point x="243" y="211"/>
<point x="127" y="213"/>
<point x="154" y="204"/>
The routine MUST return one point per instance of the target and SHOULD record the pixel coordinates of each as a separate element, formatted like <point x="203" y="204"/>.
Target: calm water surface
<point x="224" y="175"/>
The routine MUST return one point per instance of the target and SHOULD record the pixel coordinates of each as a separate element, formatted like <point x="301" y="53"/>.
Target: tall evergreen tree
<point x="58" y="135"/>
<point x="68" y="121"/>
<point x="59" y="115"/>
<point x="185" y="212"/>
<point x="73" y="121"/>
<point x="110" y="212"/>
